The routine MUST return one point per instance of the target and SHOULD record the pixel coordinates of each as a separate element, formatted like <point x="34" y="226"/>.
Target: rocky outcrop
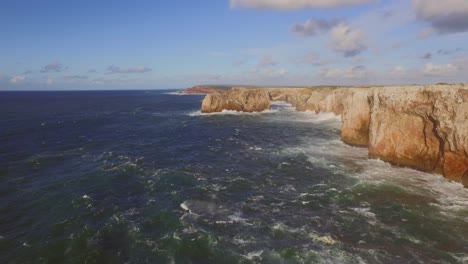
<point x="423" y="127"/>
<point x="237" y="99"/>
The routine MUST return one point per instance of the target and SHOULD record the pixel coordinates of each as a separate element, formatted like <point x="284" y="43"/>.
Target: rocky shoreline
<point x="423" y="127"/>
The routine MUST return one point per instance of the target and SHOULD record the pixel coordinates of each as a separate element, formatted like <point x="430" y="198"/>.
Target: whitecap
<point x="327" y="240"/>
<point x="185" y="207"/>
<point x="240" y="241"/>
<point x="254" y="254"/>
<point x="255" y="148"/>
<point x="366" y="212"/>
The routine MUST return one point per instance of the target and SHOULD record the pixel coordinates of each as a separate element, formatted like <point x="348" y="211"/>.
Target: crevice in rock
<point x="440" y="159"/>
<point x="425" y="134"/>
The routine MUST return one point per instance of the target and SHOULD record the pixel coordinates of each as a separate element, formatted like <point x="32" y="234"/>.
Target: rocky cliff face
<point x="237" y="99"/>
<point x="424" y="127"/>
<point x="356" y="117"/>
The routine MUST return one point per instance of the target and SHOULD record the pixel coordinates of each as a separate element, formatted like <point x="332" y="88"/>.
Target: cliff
<point x="424" y="127"/>
<point x="237" y="99"/>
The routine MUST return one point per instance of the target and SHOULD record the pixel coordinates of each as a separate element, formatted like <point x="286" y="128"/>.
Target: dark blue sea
<point x="144" y="177"/>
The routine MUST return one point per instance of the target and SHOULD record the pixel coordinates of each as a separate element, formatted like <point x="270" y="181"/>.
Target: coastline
<point x="422" y="127"/>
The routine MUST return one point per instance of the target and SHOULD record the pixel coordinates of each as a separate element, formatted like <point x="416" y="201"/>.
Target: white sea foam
<point x="280" y="103"/>
<point x="254" y="254"/>
<point x="327" y="240"/>
<point x="230" y="112"/>
<point x="281" y="227"/>
<point x="282" y="106"/>
<point x="185" y="207"/>
<point x="366" y="212"/>
<point x="325" y="117"/>
<point x="340" y="158"/>
<point x="182" y="93"/>
<point x="255" y="148"/>
<point x="176" y="93"/>
<point x="240" y="241"/>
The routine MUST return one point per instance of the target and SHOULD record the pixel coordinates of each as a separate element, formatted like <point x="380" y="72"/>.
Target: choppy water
<point x="143" y="177"/>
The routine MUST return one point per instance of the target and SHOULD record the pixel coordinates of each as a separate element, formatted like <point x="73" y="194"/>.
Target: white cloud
<point x="266" y="61"/>
<point x="447" y="16"/>
<point x="439" y="69"/>
<point x="239" y="62"/>
<point x="398" y="70"/>
<point x="75" y="77"/>
<point x="431" y="72"/>
<point x="314" y="27"/>
<point x="17" y="79"/>
<point x="53" y="67"/>
<point x="311" y="58"/>
<point x="349" y="73"/>
<point x="277" y="73"/>
<point x="139" y="69"/>
<point x="295" y="4"/>
<point x="426" y="56"/>
<point x="348" y="41"/>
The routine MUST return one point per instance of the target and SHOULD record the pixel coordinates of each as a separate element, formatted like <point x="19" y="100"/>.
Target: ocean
<point x="144" y="177"/>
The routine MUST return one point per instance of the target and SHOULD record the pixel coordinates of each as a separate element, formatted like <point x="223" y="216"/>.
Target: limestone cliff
<point x="424" y="127"/>
<point x="237" y="99"/>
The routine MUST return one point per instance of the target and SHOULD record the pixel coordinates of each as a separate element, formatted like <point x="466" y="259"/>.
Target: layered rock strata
<point x="424" y="127"/>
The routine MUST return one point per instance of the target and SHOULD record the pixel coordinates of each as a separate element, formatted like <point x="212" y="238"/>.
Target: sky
<point x="147" y="44"/>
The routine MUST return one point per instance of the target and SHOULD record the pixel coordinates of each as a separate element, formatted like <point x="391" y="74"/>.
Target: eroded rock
<point x="237" y="99"/>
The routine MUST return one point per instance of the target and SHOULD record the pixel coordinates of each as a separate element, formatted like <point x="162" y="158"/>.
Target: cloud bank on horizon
<point x="264" y="42"/>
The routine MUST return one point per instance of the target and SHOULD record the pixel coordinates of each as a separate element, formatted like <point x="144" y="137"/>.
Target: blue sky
<point x="63" y="45"/>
